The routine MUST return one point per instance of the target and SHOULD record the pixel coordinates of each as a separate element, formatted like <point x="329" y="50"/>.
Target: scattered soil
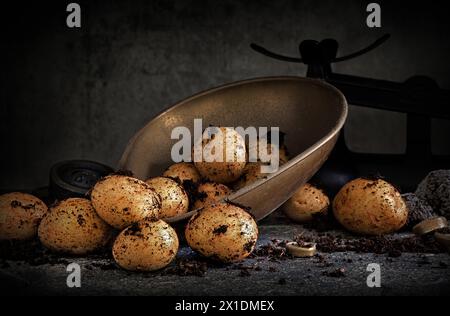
<point x="33" y="253"/>
<point x="338" y="273"/>
<point x="188" y="267"/>
<point x="394" y="247"/>
<point x="274" y="251"/>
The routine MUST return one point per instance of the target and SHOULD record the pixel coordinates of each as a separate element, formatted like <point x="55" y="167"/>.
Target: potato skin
<point x="251" y="174"/>
<point x="210" y="193"/>
<point x="183" y="171"/>
<point x="222" y="231"/>
<point x="72" y="226"/>
<point x="370" y="207"/>
<point x="121" y="200"/>
<point x="223" y="171"/>
<point x="146" y="246"/>
<point x="283" y="154"/>
<point x="20" y="215"/>
<point x="174" y="199"/>
<point x="306" y="201"/>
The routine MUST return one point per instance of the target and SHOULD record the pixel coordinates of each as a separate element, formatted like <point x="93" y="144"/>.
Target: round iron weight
<point x="74" y="178"/>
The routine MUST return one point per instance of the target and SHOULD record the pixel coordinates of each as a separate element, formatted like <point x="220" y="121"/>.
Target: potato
<point x="251" y="174"/>
<point x="283" y="155"/>
<point x="210" y="193"/>
<point x="146" y="246"/>
<point x="121" y="200"/>
<point x="223" y="232"/>
<point x="183" y="172"/>
<point x="370" y="206"/>
<point x="306" y="201"/>
<point x="72" y="226"/>
<point x="232" y="158"/>
<point x="174" y="199"/>
<point x="20" y="215"/>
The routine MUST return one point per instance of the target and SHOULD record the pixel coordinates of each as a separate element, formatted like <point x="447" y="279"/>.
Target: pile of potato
<point x="137" y="210"/>
<point x="134" y="211"/>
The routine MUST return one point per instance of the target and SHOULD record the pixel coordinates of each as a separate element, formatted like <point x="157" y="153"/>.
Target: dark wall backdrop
<point x="82" y="93"/>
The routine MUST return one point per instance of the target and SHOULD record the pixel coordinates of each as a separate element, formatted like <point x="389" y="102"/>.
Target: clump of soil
<point x="274" y="251"/>
<point x="187" y="267"/>
<point x="122" y="172"/>
<point x="244" y="270"/>
<point x="418" y="210"/>
<point x="435" y="189"/>
<point x="191" y="189"/>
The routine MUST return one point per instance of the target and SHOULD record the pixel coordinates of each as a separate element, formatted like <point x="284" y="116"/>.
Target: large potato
<point x="370" y="206"/>
<point x="146" y="246"/>
<point x="20" y="215"/>
<point x="232" y="159"/>
<point x="174" y="199"/>
<point x="223" y="232"/>
<point x="73" y="226"/>
<point x="122" y="200"/>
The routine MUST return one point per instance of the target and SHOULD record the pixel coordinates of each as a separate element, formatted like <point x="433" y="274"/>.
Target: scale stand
<point x="419" y="97"/>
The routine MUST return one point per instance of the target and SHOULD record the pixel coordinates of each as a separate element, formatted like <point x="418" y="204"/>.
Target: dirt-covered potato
<point x="20" y="215"/>
<point x="370" y="206"/>
<point x="174" y="199"/>
<point x="232" y="157"/>
<point x="210" y="193"/>
<point x="252" y="173"/>
<point x="183" y="171"/>
<point x="305" y="203"/>
<point x="283" y="155"/>
<point x="121" y="200"/>
<point x="223" y="232"/>
<point x="146" y="246"/>
<point x="73" y="226"/>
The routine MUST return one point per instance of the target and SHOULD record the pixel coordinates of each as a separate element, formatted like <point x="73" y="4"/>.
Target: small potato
<point x="210" y="193"/>
<point x="223" y="232"/>
<point x="183" y="171"/>
<point x="226" y="166"/>
<point x="20" y="215"/>
<point x="72" y="226"/>
<point x="174" y="199"/>
<point x="252" y="173"/>
<point x="370" y="206"/>
<point x="305" y="203"/>
<point x="146" y="246"/>
<point x="121" y="200"/>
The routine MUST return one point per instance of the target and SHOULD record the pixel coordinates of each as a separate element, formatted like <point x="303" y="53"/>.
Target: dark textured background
<point x="82" y="93"/>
